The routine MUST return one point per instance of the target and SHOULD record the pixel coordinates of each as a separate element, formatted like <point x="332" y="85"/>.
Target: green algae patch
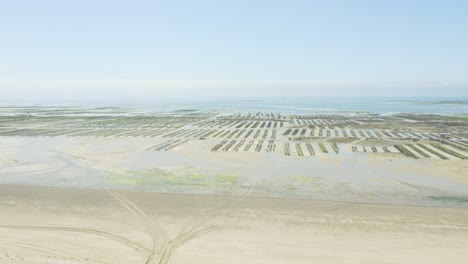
<point x="456" y="199"/>
<point x="180" y="179"/>
<point x="303" y="179"/>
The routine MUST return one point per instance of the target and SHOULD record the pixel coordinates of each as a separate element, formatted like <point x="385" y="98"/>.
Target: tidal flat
<point x="204" y="186"/>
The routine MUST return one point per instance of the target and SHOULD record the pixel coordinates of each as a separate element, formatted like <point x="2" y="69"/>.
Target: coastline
<point x="90" y="222"/>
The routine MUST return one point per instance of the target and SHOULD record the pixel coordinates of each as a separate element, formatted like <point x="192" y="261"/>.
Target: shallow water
<point x="384" y="105"/>
<point x="380" y="105"/>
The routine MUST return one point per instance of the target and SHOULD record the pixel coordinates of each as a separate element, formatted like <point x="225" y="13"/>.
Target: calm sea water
<point x="305" y="105"/>
<point x="381" y="105"/>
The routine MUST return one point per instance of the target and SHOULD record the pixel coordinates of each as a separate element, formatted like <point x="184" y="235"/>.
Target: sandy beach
<point x="61" y="225"/>
<point x="248" y="187"/>
<point x="233" y="132"/>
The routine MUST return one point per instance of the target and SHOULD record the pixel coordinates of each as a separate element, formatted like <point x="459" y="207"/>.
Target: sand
<point x="100" y="197"/>
<point x="65" y="225"/>
<point x="126" y="164"/>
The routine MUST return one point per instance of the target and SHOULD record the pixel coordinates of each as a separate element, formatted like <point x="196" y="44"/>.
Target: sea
<point x="298" y="105"/>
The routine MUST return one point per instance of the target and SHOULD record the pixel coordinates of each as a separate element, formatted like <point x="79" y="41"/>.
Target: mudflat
<point x="66" y="225"/>
<point x="118" y="185"/>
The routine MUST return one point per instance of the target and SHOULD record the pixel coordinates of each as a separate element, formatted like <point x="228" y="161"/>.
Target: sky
<point x="73" y="50"/>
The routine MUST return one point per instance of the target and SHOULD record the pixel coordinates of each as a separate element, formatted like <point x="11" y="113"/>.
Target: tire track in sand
<point x="190" y="231"/>
<point x="200" y="227"/>
<point x="114" y="237"/>
<point x="153" y="228"/>
<point x="51" y="251"/>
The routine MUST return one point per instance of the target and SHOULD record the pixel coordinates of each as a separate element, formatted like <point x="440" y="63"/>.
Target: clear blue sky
<point x="87" y="49"/>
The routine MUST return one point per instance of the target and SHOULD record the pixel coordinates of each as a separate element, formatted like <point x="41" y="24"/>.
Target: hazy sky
<point x="151" y="49"/>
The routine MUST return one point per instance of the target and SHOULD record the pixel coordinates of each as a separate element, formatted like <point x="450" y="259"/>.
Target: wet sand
<point x="101" y="163"/>
<point x="210" y="187"/>
<point x="65" y="225"/>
